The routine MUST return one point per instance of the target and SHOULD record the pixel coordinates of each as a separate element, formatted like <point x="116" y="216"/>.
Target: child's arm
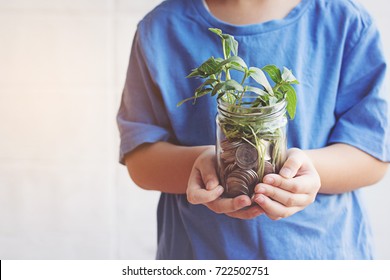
<point x="162" y="166"/>
<point x="344" y="168"/>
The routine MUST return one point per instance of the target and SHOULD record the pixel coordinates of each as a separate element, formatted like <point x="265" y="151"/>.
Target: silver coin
<point x="225" y="170"/>
<point x="246" y="156"/>
<point x="254" y="177"/>
<point x="228" y="150"/>
<point x="268" y="168"/>
<point x="235" y="187"/>
<point x="229" y="145"/>
<point x="228" y="156"/>
<point x="241" y="181"/>
<point x="229" y="168"/>
<point x="233" y="192"/>
<point x="243" y="175"/>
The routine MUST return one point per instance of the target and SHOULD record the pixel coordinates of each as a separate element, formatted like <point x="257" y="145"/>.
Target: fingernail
<point x="261" y="189"/>
<point x="269" y="180"/>
<point x="285" y="172"/>
<point x="220" y="190"/>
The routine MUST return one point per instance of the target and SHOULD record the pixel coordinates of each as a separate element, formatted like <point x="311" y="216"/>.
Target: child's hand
<point x="295" y="187"/>
<point x="203" y="188"/>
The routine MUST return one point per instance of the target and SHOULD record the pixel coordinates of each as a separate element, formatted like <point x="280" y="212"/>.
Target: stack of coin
<point x="268" y="168"/>
<point x="239" y="164"/>
<point x="241" y="181"/>
<point x="229" y="150"/>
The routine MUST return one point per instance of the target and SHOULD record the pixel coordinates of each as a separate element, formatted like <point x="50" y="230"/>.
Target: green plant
<point x="251" y="92"/>
<point x="218" y="81"/>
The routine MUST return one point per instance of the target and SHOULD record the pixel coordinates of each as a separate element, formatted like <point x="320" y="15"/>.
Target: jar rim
<point x="220" y="101"/>
<point x="273" y="110"/>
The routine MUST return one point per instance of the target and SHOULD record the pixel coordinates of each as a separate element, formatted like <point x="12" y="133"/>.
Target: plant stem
<point x="224" y="48"/>
<point x="227" y="74"/>
<point x="241" y="96"/>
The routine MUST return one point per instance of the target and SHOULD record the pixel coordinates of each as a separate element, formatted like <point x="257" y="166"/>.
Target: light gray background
<point x="62" y="193"/>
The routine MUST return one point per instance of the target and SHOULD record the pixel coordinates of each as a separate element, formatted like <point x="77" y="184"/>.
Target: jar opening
<point x="246" y="108"/>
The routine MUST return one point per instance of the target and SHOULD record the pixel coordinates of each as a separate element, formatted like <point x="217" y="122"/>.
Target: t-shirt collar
<point x="212" y="21"/>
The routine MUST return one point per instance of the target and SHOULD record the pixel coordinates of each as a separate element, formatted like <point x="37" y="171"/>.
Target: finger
<point x="274" y="209"/>
<point x="247" y="214"/>
<point x="197" y="194"/>
<point x="297" y="185"/>
<point x="282" y="196"/>
<point x="292" y="164"/>
<point x="228" y="205"/>
<point x="202" y="196"/>
<point x="209" y="173"/>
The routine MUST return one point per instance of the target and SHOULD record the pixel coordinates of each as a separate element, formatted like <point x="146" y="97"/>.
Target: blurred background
<point x="63" y="194"/>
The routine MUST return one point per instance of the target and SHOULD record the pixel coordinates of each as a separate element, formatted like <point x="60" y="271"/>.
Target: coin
<point x="268" y="168"/>
<point x="236" y="186"/>
<point x="229" y="168"/>
<point x="238" y="159"/>
<point x="228" y="150"/>
<point x="246" y="156"/>
<point x="254" y="177"/>
<point x="228" y="156"/>
<point x="240" y="181"/>
<point x="230" y="145"/>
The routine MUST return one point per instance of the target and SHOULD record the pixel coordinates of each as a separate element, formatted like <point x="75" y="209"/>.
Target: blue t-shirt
<point x="334" y="50"/>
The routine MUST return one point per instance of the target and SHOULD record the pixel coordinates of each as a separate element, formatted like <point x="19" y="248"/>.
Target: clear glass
<point x="251" y="142"/>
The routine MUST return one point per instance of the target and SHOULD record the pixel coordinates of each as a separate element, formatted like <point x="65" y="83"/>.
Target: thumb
<point x="293" y="164"/>
<point x="209" y="173"/>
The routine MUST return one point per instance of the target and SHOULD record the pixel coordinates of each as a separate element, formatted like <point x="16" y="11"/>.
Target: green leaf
<point x="229" y="85"/>
<point x="237" y="67"/>
<point x="233" y="44"/>
<point x="291" y="98"/>
<point x="236" y="61"/>
<point x="195" y="73"/>
<point x="216" y="31"/>
<point x="217" y="88"/>
<point x="226" y="48"/>
<point x="256" y="90"/>
<point x="234" y="85"/>
<point x="201" y="93"/>
<point x="273" y="72"/>
<point x="209" y="67"/>
<point x="272" y="100"/>
<point x="208" y="82"/>
<point x="258" y="75"/>
<point x="288" y="76"/>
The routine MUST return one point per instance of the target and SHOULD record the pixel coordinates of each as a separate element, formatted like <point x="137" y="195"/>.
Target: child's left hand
<point x="294" y="188"/>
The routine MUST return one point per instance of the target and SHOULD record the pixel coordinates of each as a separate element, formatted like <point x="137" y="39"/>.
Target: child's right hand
<point x="203" y="188"/>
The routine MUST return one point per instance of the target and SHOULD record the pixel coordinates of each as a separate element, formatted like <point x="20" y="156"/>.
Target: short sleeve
<point x="362" y="106"/>
<point x="142" y="116"/>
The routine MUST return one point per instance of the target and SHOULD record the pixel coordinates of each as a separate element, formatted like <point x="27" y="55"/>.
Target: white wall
<point x="62" y="193"/>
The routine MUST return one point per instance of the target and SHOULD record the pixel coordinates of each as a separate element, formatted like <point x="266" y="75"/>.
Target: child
<point x="338" y="140"/>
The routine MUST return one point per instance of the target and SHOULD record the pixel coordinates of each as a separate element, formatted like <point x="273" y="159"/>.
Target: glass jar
<point x="251" y="143"/>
